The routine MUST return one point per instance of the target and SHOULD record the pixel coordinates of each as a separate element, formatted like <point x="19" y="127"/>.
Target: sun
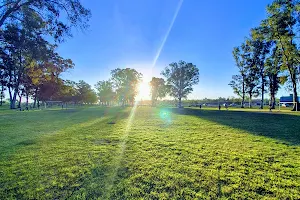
<point x="143" y="91"/>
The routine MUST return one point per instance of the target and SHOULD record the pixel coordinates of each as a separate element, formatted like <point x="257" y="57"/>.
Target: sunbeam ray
<point x="167" y="33"/>
<point x="132" y="112"/>
<point x="118" y="159"/>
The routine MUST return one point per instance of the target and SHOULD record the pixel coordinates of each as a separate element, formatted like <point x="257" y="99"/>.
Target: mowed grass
<point x="152" y="153"/>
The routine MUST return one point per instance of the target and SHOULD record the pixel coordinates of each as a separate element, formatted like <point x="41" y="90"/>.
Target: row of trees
<point x="269" y="57"/>
<point x="122" y="87"/>
<point x="30" y="67"/>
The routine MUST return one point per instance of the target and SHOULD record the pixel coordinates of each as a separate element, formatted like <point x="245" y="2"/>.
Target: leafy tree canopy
<point x="181" y="77"/>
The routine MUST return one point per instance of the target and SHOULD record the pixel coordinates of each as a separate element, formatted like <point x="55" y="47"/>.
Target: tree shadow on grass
<point x="73" y="159"/>
<point x="25" y="128"/>
<point x="284" y="127"/>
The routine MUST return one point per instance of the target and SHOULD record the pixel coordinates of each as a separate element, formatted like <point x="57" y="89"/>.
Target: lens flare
<point x="165" y="115"/>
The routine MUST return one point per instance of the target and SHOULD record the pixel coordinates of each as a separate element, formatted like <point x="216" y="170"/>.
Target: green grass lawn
<point x="111" y="153"/>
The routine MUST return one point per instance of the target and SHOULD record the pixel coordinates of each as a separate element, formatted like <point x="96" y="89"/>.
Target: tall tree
<point x="49" y="89"/>
<point x="273" y="65"/>
<point x="92" y="97"/>
<point x="45" y="77"/>
<point x="181" y="77"/>
<point x="249" y="58"/>
<point x="251" y="83"/>
<point x="68" y="92"/>
<point x="84" y="89"/>
<point x="259" y="50"/>
<point x="241" y="56"/>
<point x="105" y="91"/>
<point x="238" y="85"/>
<point x="158" y="89"/>
<point x="126" y="83"/>
<point x="281" y="27"/>
<point x="21" y="45"/>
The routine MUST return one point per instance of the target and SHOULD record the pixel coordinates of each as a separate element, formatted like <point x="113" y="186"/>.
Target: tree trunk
<point x="295" y="94"/>
<point x="250" y="101"/>
<point x="262" y="93"/>
<point x="272" y="100"/>
<point x="154" y="102"/>
<point x="1" y="95"/>
<point x="20" y="101"/>
<point x="179" y="103"/>
<point x="35" y="98"/>
<point x="34" y="102"/>
<point x="243" y="96"/>
<point x="272" y="92"/>
<point x="27" y="99"/>
<point x="12" y="97"/>
<point x="13" y="101"/>
<point x="294" y="83"/>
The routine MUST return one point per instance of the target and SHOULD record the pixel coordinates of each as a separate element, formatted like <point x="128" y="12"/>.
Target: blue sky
<point x="129" y="33"/>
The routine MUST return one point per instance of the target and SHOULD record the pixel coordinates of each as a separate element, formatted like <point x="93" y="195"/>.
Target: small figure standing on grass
<point x="226" y="106"/>
<point x="219" y="106"/>
<point x="270" y="107"/>
<point x="200" y="106"/>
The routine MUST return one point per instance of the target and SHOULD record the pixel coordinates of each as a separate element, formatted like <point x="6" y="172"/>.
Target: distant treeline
<point x="197" y="102"/>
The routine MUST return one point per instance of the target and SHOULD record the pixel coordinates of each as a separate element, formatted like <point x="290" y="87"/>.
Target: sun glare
<point x="144" y="91"/>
